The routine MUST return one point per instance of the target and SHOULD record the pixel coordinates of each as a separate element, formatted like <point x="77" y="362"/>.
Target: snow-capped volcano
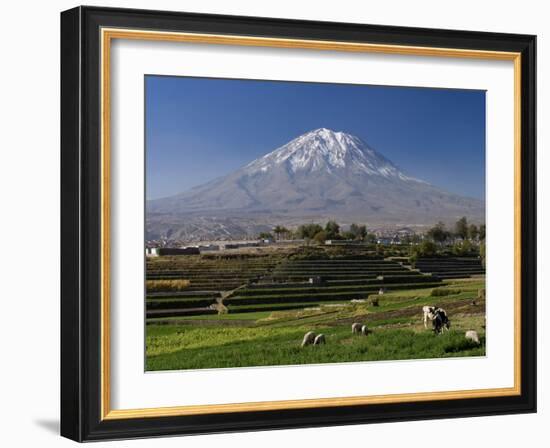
<point x="319" y="174"/>
<point x="324" y="149"/>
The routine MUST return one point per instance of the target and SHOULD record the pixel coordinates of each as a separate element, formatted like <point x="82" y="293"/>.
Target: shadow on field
<point x="464" y="345"/>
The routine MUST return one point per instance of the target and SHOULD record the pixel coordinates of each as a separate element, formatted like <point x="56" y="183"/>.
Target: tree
<point x="308" y="231"/>
<point x="320" y="237"/>
<point x="482" y="252"/>
<point x="359" y="232"/>
<point x="463" y="248"/>
<point x="438" y="233"/>
<point x="461" y="228"/>
<point x="482" y="232"/>
<point x="425" y="249"/>
<point x="348" y="235"/>
<point x="332" y="230"/>
<point x="285" y="232"/>
<point x="473" y="232"/>
<point x="265" y="236"/>
<point x="280" y="230"/>
<point x="370" y="238"/>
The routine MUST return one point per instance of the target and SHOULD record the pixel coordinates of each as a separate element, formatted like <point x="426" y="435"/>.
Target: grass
<point x="251" y="316"/>
<point x="172" y="348"/>
<point x="284" y="296"/>
<point x="277" y="315"/>
<point x="238" y="309"/>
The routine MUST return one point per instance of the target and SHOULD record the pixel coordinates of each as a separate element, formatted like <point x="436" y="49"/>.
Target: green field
<point x="254" y="310"/>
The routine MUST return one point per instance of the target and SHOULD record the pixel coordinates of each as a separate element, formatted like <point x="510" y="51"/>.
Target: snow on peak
<point x="325" y="149"/>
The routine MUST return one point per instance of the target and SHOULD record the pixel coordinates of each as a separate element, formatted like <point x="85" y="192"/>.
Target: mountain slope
<point x="319" y="174"/>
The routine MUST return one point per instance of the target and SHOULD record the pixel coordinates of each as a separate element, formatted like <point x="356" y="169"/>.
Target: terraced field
<point x="269" y="283"/>
<point x="210" y="281"/>
<point x="254" y="310"/>
<point x="452" y="267"/>
<point x="338" y="280"/>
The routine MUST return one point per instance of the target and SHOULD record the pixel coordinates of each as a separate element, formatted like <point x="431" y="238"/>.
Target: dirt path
<point x="220" y="306"/>
<point x="461" y="306"/>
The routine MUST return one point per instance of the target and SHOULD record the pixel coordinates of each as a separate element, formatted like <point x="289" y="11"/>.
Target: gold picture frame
<point x="518" y="49"/>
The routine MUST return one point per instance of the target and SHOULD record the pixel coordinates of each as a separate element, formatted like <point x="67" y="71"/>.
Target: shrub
<point x="464" y="248"/>
<point x="424" y="249"/>
<point x="167" y="285"/>
<point x="320" y="237"/>
<point x="310" y="253"/>
<point x="440" y="292"/>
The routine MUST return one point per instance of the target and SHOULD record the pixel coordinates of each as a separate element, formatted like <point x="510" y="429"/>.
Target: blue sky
<point x="198" y="129"/>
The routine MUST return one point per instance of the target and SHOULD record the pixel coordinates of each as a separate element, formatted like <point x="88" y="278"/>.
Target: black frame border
<point x="81" y="223"/>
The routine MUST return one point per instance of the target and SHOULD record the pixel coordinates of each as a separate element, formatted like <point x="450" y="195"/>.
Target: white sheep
<point x="471" y="335"/>
<point x="309" y="338"/>
<point x="364" y="330"/>
<point x="356" y="328"/>
<point x="319" y="339"/>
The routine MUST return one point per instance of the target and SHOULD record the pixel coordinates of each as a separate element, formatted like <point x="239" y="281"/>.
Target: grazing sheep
<point x="356" y="328"/>
<point x="471" y="335"/>
<point x="309" y="338"/>
<point x="364" y="330"/>
<point x="319" y="339"/>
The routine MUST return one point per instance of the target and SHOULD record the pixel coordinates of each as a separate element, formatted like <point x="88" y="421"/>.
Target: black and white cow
<point x="428" y="314"/>
<point x="440" y="321"/>
<point x="438" y="317"/>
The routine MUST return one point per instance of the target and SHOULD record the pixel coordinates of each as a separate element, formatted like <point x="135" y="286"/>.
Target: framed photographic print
<point x="275" y="223"/>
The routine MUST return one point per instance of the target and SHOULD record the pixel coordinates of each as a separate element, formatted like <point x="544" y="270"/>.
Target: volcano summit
<point x="319" y="175"/>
